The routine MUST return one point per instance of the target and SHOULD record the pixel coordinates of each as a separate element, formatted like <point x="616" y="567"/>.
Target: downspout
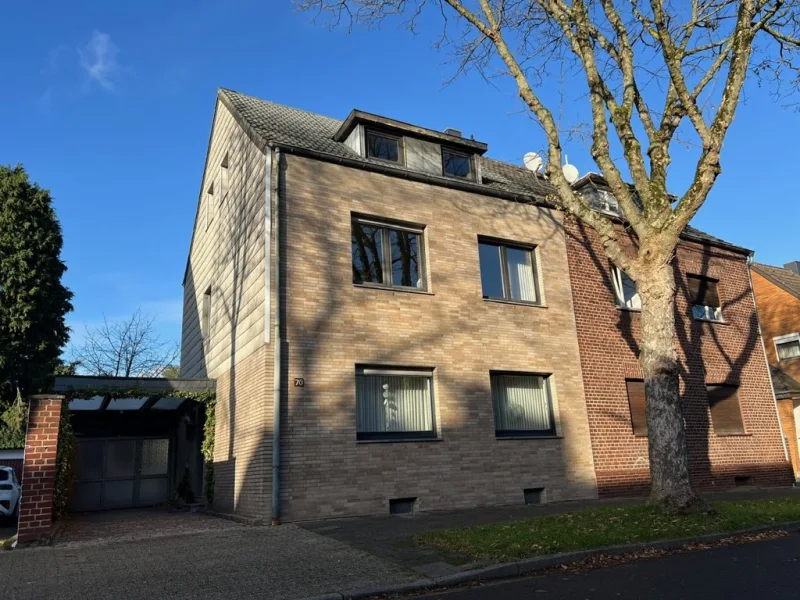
<point x="766" y="360"/>
<point x="278" y="343"/>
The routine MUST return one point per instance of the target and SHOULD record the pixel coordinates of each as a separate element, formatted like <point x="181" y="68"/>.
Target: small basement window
<point x="383" y="146"/>
<point x="457" y="164"/>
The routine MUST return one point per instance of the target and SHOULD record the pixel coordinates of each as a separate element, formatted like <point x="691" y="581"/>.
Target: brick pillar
<point x="39" y="468"/>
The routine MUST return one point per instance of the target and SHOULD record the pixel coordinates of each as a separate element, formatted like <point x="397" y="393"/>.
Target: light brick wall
<point x="708" y="353"/>
<point x="243" y="442"/>
<point x="779" y="313"/>
<point x="39" y="468"/>
<point x="227" y="256"/>
<point x="334" y="325"/>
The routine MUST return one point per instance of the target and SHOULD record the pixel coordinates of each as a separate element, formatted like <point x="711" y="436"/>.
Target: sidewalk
<point x="389" y="538"/>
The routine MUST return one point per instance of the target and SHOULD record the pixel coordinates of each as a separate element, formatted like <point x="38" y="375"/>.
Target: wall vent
<point x="402" y="506"/>
<point x="743" y="480"/>
<point x="534" y="495"/>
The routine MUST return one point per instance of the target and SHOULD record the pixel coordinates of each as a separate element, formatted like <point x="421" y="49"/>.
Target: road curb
<point x="540" y="563"/>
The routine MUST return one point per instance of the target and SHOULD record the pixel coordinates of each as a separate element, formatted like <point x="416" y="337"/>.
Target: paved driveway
<point x="277" y="563"/>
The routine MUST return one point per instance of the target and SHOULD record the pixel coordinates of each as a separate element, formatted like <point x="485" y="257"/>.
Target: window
<point x="508" y="272"/>
<point x="636" y="400"/>
<point x="383" y="146"/>
<point x="788" y="346"/>
<point x="223" y="179"/>
<point x="394" y="403"/>
<point x="456" y="164"/>
<point x="625" y="290"/>
<point x="387" y="255"/>
<point x="205" y="325"/>
<point x="522" y="406"/>
<point x="726" y="415"/>
<point x="209" y="205"/>
<point x="704" y="298"/>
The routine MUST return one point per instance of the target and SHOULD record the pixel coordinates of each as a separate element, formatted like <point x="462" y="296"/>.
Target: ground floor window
<point x="522" y="405"/>
<point x="394" y="403"/>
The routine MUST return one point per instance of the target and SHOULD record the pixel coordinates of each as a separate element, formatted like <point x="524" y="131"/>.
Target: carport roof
<point x="140" y="393"/>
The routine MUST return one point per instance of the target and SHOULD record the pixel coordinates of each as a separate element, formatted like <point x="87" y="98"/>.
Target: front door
<point x="120" y="473"/>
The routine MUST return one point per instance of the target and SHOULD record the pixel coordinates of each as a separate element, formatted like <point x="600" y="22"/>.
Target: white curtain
<point x="521" y="403"/>
<point x="393" y="403"/>
<point x="520" y="275"/>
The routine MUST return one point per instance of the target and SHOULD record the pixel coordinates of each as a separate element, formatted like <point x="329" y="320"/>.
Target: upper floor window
<point x="456" y="164"/>
<point x="223" y="179"/>
<point x="625" y="290"/>
<point x="209" y="205"/>
<point x="383" y="146"/>
<point x="704" y="298"/>
<point x="788" y="346"/>
<point x="726" y="415"/>
<point x="205" y="323"/>
<point x="394" y="403"/>
<point x="522" y="405"/>
<point x="386" y="254"/>
<point x="508" y="272"/>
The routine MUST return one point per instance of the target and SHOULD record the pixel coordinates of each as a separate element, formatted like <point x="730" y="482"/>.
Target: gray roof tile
<point x="280" y="125"/>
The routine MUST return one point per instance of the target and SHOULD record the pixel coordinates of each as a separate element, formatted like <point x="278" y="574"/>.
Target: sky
<point x="109" y="106"/>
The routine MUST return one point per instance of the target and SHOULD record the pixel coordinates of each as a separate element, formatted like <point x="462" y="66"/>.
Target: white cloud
<point x="99" y="59"/>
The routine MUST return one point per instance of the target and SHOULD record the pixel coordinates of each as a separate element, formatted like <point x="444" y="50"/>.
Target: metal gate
<point x="121" y="473"/>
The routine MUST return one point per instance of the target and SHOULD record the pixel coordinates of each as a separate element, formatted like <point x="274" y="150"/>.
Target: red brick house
<point x="730" y="412"/>
<point x="777" y="293"/>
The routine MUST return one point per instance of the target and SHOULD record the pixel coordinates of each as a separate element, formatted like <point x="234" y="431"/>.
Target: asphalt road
<point x="769" y="569"/>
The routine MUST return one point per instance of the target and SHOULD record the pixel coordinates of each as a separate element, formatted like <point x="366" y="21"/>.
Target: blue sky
<point x="109" y="105"/>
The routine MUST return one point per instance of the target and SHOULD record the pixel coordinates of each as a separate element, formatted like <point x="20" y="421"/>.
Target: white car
<point x="9" y="493"/>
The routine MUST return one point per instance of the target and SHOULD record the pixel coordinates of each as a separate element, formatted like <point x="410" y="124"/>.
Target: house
<point x="732" y="428"/>
<point x="777" y="291"/>
<point x="390" y="320"/>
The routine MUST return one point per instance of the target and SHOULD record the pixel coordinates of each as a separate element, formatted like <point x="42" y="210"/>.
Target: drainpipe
<point x="766" y="359"/>
<point x="276" y="376"/>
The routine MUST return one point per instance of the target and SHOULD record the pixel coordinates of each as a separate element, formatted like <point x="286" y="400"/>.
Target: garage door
<point x="120" y="473"/>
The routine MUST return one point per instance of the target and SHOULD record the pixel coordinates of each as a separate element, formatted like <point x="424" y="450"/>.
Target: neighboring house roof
<point x="785" y="385"/>
<point x="784" y="278"/>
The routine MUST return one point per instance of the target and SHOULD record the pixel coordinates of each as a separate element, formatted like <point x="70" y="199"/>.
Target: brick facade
<point x="39" y="468"/>
<point x="709" y="354"/>
<point x="332" y="326"/>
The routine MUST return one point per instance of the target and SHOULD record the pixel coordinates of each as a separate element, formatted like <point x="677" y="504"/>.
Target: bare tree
<point x="653" y="70"/>
<point x="126" y="348"/>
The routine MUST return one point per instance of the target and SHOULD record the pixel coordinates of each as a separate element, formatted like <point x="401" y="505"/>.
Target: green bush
<point x="208" y="448"/>
<point x="14" y="424"/>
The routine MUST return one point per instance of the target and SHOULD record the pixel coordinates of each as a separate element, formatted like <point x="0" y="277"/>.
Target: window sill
<point x="401" y="440"/>
<point x="387" y="288"/>
<point x="712" y="321"/>
<point x="733" y="435"/>
<point x="628" y="310"/>
<point x="515" y="302"/>
<point x="500" y="438"/>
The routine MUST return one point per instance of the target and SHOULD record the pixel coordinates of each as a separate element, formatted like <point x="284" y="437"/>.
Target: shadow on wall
<point x="729" y="348"/>
<point x="324" y="413"/>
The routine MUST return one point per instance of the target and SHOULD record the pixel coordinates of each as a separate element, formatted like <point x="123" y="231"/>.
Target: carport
<point x="136" y="439"/>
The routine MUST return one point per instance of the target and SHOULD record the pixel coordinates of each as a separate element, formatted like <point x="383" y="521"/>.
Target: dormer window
<point x="383" y="146"/>
<point x="456" y="164"/>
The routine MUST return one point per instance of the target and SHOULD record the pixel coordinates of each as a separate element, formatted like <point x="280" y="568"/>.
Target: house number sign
<point x="299" y="382"/>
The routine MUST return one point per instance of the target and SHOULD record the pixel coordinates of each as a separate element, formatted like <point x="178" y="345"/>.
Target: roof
<point x="785" y="385"/>
<point x="785" y="279"/>
<point x="302" y="132"/>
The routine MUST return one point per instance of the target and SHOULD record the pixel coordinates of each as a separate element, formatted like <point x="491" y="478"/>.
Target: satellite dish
<point x="571" y="173"/>
<point x="532" y="161"/>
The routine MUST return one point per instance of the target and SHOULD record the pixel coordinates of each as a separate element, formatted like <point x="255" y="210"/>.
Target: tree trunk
<point x="670" y="487"/>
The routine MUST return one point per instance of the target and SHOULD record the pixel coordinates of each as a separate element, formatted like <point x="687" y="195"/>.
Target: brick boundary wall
<point x="39" y="468"/>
